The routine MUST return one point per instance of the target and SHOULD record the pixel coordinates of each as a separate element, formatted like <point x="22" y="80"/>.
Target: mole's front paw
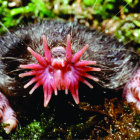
<point x="9" y="118"/>
<point x="7" y="114"/>
<point x="132" y="90"/>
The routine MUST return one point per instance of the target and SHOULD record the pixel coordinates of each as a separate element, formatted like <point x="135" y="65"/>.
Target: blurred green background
<point x="118" y="17"/>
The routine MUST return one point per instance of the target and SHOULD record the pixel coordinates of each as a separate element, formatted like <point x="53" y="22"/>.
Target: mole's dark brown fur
<point x="117" y="63"/>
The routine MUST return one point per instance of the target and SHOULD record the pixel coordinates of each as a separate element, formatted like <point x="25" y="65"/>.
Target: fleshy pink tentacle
<point x="77" y="56"/>
<point x="54" y="86"/>
<point x="85" y="63"/>
<point x="46" y="49"/>
<point x="67" y="86"/>
<point x="74" y="91"/>
<point x="38" y="57"/>
<point x="86" y="82"/>
<point x="90" y="77"/>
<point x="30" y="73"/>
<point x="35" y="87"/>
<point x="85" y="69"/>
<point x="31" y="66"/>
<point x="68" y="49"/>
<point x="47" y="94"/>
<point x="30" y="82"/>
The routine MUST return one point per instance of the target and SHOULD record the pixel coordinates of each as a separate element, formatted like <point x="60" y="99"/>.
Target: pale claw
<point x="11" y="124"/>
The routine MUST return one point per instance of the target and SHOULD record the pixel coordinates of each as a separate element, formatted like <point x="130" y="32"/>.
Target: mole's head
<point x="59" y="69"/>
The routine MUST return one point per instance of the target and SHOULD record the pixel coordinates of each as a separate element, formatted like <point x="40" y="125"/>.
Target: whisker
<point x="17" y="70"/>
<point x="12" y="58"/>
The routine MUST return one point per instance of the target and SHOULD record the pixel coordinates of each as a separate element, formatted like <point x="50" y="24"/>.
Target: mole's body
<point x="116" y="63"/>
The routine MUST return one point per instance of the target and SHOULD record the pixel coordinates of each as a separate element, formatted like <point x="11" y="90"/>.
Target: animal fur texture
<point x="116" y="62"/>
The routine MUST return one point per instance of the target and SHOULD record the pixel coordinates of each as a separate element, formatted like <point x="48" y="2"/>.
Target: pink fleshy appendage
<point x="59" y="73"/>
<point x="7" y="115"/>
<point x="131" y="91"/>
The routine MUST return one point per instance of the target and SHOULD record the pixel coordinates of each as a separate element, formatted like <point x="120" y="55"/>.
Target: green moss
<point x="129" y="29"/>
<point x="33" y="130"/>
<point x="11" y="17"/>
